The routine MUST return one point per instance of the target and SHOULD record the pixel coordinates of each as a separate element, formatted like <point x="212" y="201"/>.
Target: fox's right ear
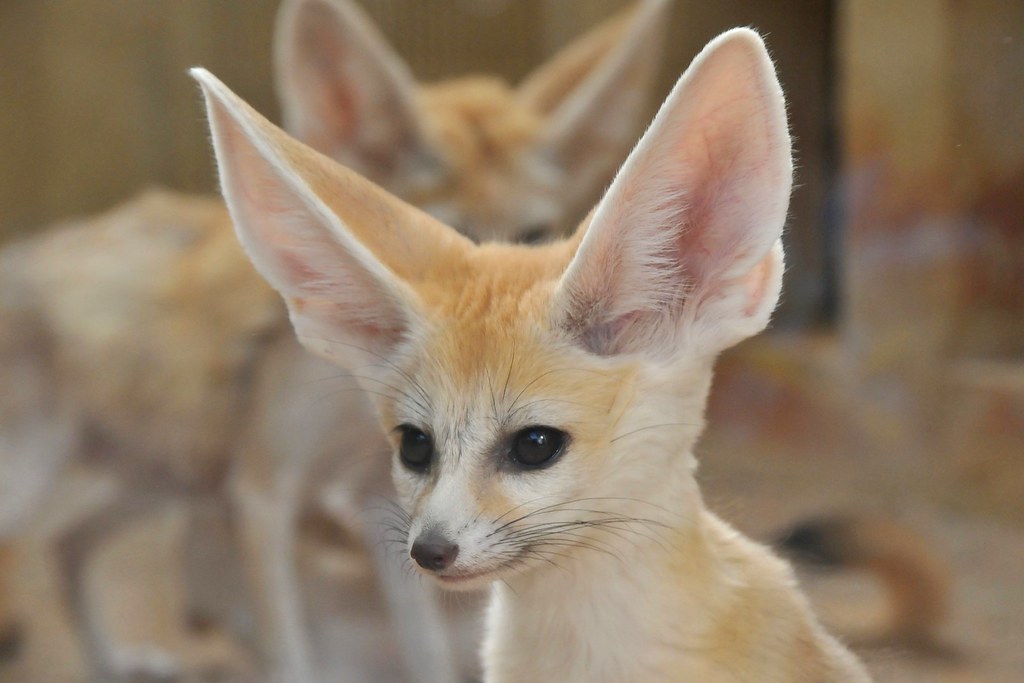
<point x="340" y="250"/>
<point x="684" y="252"/>
<point x="344" y="91"/>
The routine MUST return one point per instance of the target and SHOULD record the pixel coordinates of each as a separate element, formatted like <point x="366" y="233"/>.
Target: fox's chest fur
<point x="717" y="608"/>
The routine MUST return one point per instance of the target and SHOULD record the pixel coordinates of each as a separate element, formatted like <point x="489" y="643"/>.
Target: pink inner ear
<point x="727" y="191"/>
<point x="337" y="123"/>
<point x="332" y="120"/>
<point x="756" y="283"/>
<point x="299" y="270"/>
<point x="684" y="235"/>
<point x="318" y="70"/>
<point x="368" y="323"/>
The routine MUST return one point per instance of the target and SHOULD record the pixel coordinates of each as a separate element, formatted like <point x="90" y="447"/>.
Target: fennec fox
<point x="145" y="336"/>
<point x="543" y="402"/>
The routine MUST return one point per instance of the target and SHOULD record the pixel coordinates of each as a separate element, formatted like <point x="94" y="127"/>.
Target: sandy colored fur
<point x="137" y="339"/>
<point x="604" y="563"/>
<point x="749" y="618"/>
<point x="737" y="609"/>
<point x="919" y="590"/>
<point x="478" y="121"/>
<point x="153" y="344"/>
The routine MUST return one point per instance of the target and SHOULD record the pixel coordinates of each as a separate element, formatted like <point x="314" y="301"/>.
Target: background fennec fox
<point x="543" y="403"/>
<point x="144" y="336"/>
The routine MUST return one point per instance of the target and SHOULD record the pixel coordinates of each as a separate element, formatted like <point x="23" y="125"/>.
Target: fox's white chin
<point x="469" y="579"/>
<point x="465" y="582"/>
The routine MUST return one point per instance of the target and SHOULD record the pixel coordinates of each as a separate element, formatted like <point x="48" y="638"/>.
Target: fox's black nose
<point x="434" y="552"/>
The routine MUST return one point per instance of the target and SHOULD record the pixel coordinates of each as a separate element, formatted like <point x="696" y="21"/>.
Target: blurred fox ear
<point x="343" y="90"/>
<point x="684" y="252"/>
<point x="594" y="92"/>
<point x="342" y="252"/>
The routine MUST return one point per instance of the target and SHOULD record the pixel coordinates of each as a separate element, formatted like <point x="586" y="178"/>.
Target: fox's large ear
<point x="341" y="251"/>
<point x="344" y="91"/>
<point x="594" y="92"/>
<point x="684" y="251"/>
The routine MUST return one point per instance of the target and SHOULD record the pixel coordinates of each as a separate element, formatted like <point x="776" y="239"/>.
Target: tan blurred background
<point x="894" y="383"/>
<point x="97" y="104"/>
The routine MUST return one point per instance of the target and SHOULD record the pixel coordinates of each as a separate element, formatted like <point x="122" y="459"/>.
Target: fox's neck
<point x="701" y="603"/>
<point x="597" y="612"/>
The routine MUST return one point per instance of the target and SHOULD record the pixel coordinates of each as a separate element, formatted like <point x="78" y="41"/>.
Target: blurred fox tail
<point x="914" y="578"/>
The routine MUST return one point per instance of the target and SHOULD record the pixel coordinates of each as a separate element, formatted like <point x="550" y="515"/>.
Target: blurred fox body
<point x="915" y="579"/>
<point x="542" y="404"/>
<point x="144" y="337"/>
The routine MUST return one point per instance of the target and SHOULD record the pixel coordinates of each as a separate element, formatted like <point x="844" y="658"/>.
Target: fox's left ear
<point x="594" y="92"/>
<point x="343" y="253"/>
<point x="684" y="252"/>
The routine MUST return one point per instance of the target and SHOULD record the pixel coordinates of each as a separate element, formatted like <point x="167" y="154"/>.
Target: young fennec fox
<point x="543" y="403"/>
<point x="144" y="337"/>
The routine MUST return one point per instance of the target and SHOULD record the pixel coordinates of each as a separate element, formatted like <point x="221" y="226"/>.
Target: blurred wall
<point x="933" y="121"/>
<point x="933" y="136"/>
<point x="97" y="105"/>
<point x="96" y="102"/>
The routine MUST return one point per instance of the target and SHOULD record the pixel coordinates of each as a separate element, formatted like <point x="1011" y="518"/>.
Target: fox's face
<point x="535" y="397"/>
<point x="509" y="451"/>
<point x="494" y="162"/>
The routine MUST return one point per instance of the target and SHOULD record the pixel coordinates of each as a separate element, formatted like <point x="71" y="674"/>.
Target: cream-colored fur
<point x="144" y="338"/>
<point x="596" y="352"/>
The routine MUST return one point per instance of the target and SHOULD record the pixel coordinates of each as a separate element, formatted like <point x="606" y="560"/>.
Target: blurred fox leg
<point x="10" y="627"/>
<point x="212" y="572"/>
<point x="267" y="521"/>
<point x="74" y="550"/>
<point x="39" y="431"/>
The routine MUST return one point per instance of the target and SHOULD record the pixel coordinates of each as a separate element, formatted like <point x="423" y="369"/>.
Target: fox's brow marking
<point x="513" y="410"/>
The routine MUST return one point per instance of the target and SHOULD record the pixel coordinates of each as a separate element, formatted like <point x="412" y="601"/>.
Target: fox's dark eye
<point x="536" y="447"/>
<point x="417" y="448"/>
<point x="535" y="234"/>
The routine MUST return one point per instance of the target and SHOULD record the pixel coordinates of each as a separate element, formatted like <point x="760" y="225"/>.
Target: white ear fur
<point x="343" y="90"/>
<point x="595" y="91"/>
<point x="685" y="251"/>
<point x="340" y="297"/>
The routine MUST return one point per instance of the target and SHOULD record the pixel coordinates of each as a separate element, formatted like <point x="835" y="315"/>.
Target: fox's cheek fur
<point x="503" y="519"/>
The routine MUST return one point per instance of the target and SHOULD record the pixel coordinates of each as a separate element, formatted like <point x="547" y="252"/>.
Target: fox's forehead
<point x="489" y="378"/>
<point x="495" y="287"/>
<point x="490" y="326"/>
